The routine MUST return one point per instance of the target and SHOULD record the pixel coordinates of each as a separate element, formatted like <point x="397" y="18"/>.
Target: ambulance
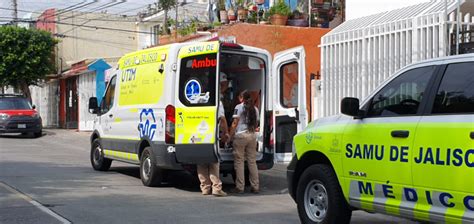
<point x="407" y="150"/>
<point x="160" y="107"/>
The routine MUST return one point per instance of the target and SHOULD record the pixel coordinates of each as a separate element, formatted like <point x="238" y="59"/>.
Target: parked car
<point x="17" y="115"/>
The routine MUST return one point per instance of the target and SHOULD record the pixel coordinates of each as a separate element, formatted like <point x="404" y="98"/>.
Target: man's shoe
<point x="236" y="191"/>
<point x="255" y="191"/>
<point x="219" y="193"/>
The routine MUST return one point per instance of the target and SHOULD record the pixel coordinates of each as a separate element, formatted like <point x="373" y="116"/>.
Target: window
<point x="403" y="95"/>
<point x="289" y="85"/>
<point x="198" y="80"/>
<point x="154" y="33"/>
<point x="14" y="104"/>
<point x="456" y="91"/>
<point x="108" y="100"/>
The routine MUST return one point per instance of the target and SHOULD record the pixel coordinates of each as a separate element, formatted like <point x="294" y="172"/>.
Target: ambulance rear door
<point x="196" y="103"/>
<point x="289" y="100"/>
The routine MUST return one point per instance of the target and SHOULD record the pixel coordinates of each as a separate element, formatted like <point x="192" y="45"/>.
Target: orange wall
<point x="279" y="38"/>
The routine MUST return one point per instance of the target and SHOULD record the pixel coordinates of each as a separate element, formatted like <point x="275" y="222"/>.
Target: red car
<point x="18" y="116"/>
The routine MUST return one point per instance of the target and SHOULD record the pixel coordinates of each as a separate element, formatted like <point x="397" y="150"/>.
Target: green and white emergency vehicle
<point x="407" y="150"/>
<point x="161" y="105"/>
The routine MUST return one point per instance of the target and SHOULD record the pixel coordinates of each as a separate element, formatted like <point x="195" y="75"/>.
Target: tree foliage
<point x="166" y="5"/>
<point x="26" y="57"/>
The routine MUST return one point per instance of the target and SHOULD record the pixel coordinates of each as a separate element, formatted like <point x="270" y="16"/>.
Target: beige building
<point x="85" y="36"/>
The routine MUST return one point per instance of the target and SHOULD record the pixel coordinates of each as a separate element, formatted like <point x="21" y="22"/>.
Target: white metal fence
<point x="360" y="54"/>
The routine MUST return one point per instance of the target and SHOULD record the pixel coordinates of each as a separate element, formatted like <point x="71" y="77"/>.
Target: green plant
<point x="252" y="18"/>
<point x="240" y="4"/>
<point x="280" y="8"/>
<point x="215" y="24"/>
<point x="221" y="4"/>
<point x="26" y="57"/>
<point x="189" y="28"/>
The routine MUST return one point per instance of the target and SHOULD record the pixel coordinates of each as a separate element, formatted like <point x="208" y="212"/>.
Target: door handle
<point x="472" y="135"/>
<point x="111" y="115"/>
<point x="400" y="134"/>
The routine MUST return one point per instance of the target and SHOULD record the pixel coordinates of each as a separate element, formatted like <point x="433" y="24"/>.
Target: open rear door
<point x="289" y="106"/>
<point x="196" y="104"/>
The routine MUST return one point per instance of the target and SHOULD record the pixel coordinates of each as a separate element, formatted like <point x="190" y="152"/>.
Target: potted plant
<point x="222" y="12"/>
<point x="241" y="11"/>
<point x="231" y="14"/>
<point x="298" y="18"/>
<point x="279" y="13"/>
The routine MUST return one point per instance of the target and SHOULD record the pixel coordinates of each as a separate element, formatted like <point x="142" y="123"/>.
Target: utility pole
<point x="15" y="12"/>
<point x="176" y="22"/>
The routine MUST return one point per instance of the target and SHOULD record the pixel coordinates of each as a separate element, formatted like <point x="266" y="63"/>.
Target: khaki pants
<point x="245" y="148"/>
<point x="209" y="177"/>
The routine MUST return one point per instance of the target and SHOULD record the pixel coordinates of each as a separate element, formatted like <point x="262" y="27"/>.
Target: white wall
<point x="85" y="89"/>
<point x="46" y="97"/>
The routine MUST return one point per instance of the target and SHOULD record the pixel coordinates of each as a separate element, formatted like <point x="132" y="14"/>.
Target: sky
<point x="354" y="9"/>
<point x="361" y="8"/>
<point x="25" y="6"/>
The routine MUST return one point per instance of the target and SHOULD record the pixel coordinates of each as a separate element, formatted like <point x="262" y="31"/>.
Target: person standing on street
<point x="243" y="129"/>
<point x="208" y="174"/>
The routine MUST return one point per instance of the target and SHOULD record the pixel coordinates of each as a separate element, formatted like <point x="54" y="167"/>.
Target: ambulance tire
<point x="98" y="161"/>
<point x="151" y="175"/>
<point x="325" y="201"/>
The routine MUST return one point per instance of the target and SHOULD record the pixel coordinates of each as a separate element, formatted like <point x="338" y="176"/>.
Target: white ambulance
<point x="160" y="107"/>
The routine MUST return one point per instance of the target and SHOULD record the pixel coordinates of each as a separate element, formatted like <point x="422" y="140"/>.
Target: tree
<point x="166" y="5"/>
<point x="26" y="57"/>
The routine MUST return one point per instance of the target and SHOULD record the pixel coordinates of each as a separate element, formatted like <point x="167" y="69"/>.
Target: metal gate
<point x="72" y="118"/>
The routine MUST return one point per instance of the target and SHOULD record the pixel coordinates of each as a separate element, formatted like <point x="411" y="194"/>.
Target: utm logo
<point x="147" y="125"/>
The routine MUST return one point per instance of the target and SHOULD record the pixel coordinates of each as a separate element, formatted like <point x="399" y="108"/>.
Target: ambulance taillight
<point x="170" y="124"/>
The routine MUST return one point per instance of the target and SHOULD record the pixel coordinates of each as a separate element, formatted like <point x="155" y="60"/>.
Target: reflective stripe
<point x="121" y="155"/>
<point x="361" y="196"/>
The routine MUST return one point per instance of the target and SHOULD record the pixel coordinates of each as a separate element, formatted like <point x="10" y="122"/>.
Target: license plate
<point x="21" y="125"/>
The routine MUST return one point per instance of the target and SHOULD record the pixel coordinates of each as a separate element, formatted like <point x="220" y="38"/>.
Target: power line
<point x="88" y="26"/>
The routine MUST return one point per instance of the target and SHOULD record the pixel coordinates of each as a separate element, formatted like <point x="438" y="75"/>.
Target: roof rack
<point x="11" y="95"/>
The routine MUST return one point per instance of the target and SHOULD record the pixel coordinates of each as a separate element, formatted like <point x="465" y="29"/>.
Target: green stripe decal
<point x="121" y="155"/>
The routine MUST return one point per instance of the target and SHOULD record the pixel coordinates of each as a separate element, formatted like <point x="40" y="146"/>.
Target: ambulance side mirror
<point x="93" y="105"/>
<point x="350" y="107"/>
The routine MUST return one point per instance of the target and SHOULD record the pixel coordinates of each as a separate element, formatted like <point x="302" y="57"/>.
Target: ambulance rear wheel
<point x="150" y="174"/>
<point x="320" y="198"/>
<point x="98" y="161"/>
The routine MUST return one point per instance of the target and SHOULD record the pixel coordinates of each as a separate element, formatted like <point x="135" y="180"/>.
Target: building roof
<point x="410" y="12"/>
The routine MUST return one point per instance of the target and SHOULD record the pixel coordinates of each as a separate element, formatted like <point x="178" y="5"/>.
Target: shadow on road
<point x="26" y="135"/>
<point x="270" y="182"/>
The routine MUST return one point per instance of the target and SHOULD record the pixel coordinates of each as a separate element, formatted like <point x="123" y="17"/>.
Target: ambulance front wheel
<point x="320" y="198"/>
<point x="150" y="174"/>
<point x="98" y="161"/>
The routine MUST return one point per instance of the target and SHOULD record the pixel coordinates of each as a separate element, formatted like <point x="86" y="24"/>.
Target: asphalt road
<point x="50" y="180"/>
